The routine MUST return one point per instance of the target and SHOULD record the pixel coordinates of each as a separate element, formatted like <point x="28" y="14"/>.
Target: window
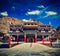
<point x="42" y="31"/>
<point x="17" y="31"/>
<point x="29" y="28"/>
<point x="28" y="24"/>
<point x="42" y="26"/>
<point x="46" y="30"/>
<point x="10" y="31"/>
<point x="32" y="24"/>
<point x="49" y="31"/>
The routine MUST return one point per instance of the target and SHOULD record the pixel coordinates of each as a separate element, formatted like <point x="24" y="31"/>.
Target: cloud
<point x="4" y="13"/>
<point x="35" y="12"/>
<point x="24" y="20"/>
<point x="41" y="6"/>
<point x="49" y="13"/>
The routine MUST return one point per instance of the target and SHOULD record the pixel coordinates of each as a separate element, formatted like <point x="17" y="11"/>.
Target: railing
<point x="30" y="31"/>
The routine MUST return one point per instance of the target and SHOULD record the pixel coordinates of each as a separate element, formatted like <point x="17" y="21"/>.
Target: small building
<point x="57" y="33"/>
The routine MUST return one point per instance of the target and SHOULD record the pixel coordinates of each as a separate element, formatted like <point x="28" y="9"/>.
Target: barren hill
<point x="5" y="22"/>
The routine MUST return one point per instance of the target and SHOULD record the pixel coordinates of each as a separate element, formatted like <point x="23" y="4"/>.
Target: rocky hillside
<point x="5" y="22"/>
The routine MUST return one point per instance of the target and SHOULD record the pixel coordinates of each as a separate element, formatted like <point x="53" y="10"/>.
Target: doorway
<point x="30" y="38"/>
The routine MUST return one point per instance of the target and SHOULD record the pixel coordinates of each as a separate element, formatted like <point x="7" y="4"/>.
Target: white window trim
<point x="17" y="31"/>
<point x="42" y="31"/>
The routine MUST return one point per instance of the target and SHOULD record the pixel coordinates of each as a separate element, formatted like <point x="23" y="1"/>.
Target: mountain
<point x="5" y="23"/>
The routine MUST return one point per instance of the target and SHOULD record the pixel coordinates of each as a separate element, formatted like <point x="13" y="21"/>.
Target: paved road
<point x="28" y="49"/>
<point x="30" y="46"/>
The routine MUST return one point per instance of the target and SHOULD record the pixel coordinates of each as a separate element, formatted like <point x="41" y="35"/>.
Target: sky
<point x="45" y="11"/>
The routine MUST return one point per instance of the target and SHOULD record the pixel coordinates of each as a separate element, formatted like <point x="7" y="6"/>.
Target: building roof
<point x="33" y="21"/>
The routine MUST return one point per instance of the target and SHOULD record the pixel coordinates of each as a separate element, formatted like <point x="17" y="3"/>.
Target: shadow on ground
<point x="51" y="52"/>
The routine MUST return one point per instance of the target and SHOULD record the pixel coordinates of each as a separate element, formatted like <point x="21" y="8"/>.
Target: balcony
<point x="15" y="33"/>
<point x="44" y="32"/>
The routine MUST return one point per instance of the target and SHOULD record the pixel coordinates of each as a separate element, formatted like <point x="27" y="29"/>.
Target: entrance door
<point x="30" y="38"/>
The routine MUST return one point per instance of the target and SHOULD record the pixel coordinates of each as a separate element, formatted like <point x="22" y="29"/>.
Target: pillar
<point x="24" y="37"/>
<point x="50" y="40"/>
<point x="17" y="39"/>
<point x="33" y="40"/>
<point x="42" y="39"/>
<point x="35" y="37"/>
<point x="9" y="41"/>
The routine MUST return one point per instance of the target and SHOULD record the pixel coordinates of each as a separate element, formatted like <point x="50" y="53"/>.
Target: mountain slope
<point x="5" y="23"/>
